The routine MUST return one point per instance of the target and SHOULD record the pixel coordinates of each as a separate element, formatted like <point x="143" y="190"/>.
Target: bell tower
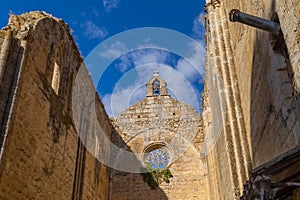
<point x="156" y="86"/>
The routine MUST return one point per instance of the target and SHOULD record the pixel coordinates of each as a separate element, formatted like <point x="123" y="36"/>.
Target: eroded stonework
<point x="248" y="137"/>
<point x="41" y="154"/>
<point x="251" y="99"/>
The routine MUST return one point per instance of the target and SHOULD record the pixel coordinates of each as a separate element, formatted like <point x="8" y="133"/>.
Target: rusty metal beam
<point x="237" y="16"/>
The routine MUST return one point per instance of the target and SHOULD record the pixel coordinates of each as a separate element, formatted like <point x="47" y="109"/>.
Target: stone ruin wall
<point x="268" y="82"/>
<point x="242" y="68"/>
<point x="41" y="154"/>
<point x="158" y="119"/>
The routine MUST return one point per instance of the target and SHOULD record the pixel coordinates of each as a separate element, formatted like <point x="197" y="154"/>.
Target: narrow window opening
<point x="97" y="147"/>
<point x="56" y="78"/>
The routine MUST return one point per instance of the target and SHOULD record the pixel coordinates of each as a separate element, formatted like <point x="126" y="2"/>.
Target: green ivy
<point x="155" y="176"/>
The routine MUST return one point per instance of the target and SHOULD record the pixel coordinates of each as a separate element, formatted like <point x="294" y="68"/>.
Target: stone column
<point x="227" y="116"/>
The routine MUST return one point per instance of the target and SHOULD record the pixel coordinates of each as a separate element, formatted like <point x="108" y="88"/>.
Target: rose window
<point x="158" y="158"/>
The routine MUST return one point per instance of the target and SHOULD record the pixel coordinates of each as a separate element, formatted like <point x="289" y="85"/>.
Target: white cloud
<point x="147" y="44"/>
<point x="92" y="31"/>
<point x="141" y="57"/>
<point x="144" y="53"/>
<point x="149" y="56"/>
<point x="110" y="4"/>
<point x="118" y="101"/>
<point x="193" y="64"/>
<point x="113" y="51"/>
<point x="199" y="26"/>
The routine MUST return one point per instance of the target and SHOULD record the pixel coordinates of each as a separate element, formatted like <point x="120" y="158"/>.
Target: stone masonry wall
<point x="41" y="154"/>
<point x="162" y="119"/>
<point x="268" y="79"/>
<point x="251" y="85"/>
<point x="227" y="143"/>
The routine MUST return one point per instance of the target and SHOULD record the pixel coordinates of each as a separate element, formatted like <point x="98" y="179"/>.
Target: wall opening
<point x="156" y="87"/>
<point x="157" y="155"/>
<point x="55" y="78"/>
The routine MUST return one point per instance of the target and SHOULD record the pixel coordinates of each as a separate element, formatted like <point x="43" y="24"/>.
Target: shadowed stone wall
<point x="252" y="91"/>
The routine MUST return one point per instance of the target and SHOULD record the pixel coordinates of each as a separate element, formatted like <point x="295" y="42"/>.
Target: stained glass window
<point x="158" y="158"/>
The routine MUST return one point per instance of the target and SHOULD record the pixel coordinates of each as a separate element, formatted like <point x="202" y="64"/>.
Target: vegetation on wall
<point x="155" y="176"/>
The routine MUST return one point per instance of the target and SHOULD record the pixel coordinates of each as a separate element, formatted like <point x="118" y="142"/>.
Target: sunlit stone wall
<point x="41" y="155"/>
<point x="161" y="121"/>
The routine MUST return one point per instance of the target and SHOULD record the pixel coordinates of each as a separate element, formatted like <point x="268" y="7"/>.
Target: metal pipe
<point x="257" y="22"/>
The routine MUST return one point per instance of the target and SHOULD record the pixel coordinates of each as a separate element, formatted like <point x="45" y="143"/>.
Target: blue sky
<point x="95" y="21"/>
